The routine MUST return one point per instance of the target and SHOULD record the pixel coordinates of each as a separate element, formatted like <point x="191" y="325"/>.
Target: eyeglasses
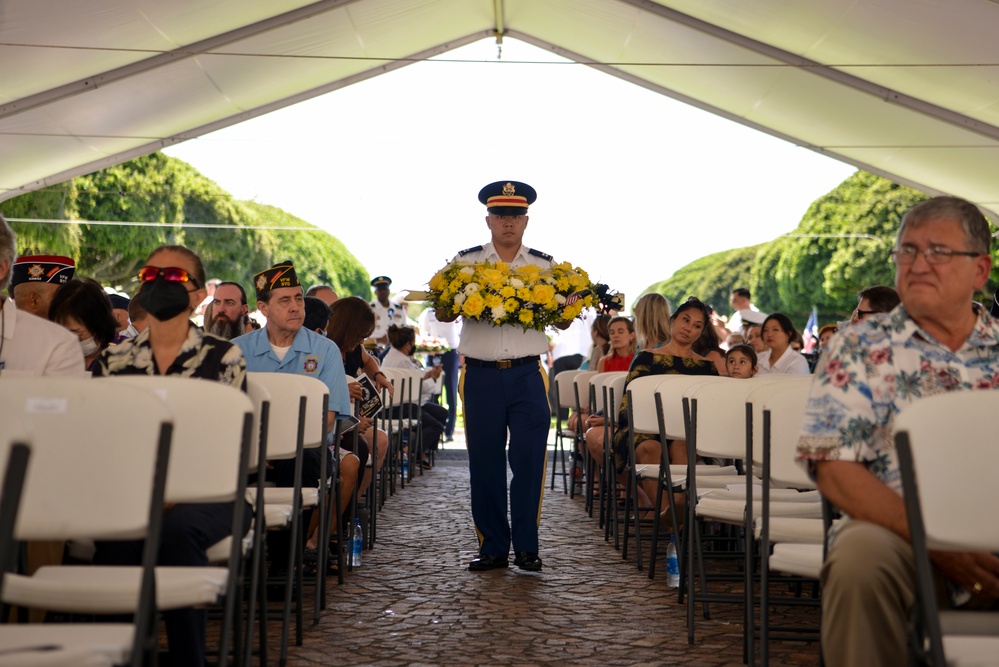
<point x="859" y="314"/>
<point x="171" y="274"/>
<point x="935" y="254"/>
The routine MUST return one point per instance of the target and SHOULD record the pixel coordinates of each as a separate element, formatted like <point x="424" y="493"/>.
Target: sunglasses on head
<point x="695" y="300"/>
<point x="171" y="274"/>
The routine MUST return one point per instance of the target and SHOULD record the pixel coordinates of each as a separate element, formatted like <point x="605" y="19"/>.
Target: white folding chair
<point x="606" y="391"/>
<point x="98" y="471"/>
<point x="209" y="461"/>
<point x="289" y="428"/>
<point x="564" y="395"/>
<point x="946" y="489"/>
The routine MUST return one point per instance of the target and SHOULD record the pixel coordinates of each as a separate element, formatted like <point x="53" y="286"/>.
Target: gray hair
<point x="976" y="227"/>
<point x="8" y="250"/>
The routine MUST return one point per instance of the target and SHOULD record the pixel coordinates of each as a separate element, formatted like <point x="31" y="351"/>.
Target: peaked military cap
<point x="381" y="281"/>
<point x="507" y="197"/>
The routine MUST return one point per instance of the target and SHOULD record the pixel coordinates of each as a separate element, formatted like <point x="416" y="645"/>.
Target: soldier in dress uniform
<point x="504" y="389"/>
<point x="387" y="312"/>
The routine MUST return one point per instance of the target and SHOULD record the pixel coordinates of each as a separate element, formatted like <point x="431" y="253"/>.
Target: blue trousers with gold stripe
<point x="497" y="401"/>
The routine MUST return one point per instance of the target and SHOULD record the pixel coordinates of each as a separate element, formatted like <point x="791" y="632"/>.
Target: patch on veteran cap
<point x="54" y="269"/>
<point x="507" y="197"/>
<point x="279" y="275"/>
<point x="381" y="281"/>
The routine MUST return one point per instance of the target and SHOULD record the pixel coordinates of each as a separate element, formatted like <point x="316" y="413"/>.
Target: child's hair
<point x="744" y="349"/>
<point x="631" y="329"/>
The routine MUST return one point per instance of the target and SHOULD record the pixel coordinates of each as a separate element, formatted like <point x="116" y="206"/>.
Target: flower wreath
<point x="528" y="296"/>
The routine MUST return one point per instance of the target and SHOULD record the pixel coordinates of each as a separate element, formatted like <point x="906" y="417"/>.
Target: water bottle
<point x="672" y="565"/>
<point x="357" y="544"/>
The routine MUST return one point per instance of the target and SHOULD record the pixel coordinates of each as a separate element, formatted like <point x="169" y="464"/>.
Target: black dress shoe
<point x="527" y="561"/>
<point x="484" y="562"/>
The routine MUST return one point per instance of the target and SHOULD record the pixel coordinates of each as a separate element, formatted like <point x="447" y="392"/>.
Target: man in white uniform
<point x="387" y="312"/>
<point x="503" y="390"/>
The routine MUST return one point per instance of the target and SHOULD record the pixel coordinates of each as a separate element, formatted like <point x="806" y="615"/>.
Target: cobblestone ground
<point x="414" y="602"/>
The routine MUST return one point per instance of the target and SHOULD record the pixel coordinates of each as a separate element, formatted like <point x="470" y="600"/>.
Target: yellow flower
<point x="503" y="266"/>
<point x="526" y="316"/>
<point x="577" y="280"/>
<point x="524" y="294"/>
<point x="543" y="294"/>
<point x="473" y="305"/>
<point x="438" y="282"/>
<point x="511" y="305"/>
<point x="562" y="284"/>
<point x="529" y="271"/>
<point x="492" y="277"/>
<point x="493" y="300"/>
<point x="507" y="291"/>
<point x="573" y="311"/>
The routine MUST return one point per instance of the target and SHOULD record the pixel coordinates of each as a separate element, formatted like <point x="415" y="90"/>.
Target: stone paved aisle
<point x="414" y="602"/>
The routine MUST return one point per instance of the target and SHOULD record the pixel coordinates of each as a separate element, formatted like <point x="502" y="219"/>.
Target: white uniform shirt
<point x="577" y="339"/>
<point x="447" y="332"/>
<point x="386" y="316"/>
<point x="482" y="340"/>
<point x="790" y="363"/>
<point x="396" y="359"/>
<point x="33" y="346"/>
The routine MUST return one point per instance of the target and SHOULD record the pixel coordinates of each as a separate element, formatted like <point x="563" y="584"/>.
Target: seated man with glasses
<point x="874" y="300"/>
<point x="936" y="340"/>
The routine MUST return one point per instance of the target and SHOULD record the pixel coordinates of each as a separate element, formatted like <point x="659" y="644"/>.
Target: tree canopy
<point x="175" y="197"/>
<point x="841" y="245"/>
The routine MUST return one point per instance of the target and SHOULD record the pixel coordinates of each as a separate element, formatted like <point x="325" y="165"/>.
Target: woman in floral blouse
<point x="172" y="286"/>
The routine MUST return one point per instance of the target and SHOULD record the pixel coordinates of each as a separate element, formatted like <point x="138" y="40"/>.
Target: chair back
<point x="671" y="390"/>
<point x="950" y="441"/>
<point x="641" y="395"/>
<point x="577" y="394"/>
<point x="94" y="455"/>
<point x="785" y="411"/>
<point x="285" y="393"/>
<point x="719" y="415"/>
<point x="212" y="435"/>
<point x="612" y="394"/>
<point x="757" y="400"/>
<point x="565" y="395"/>
<point x="14" y="455"/>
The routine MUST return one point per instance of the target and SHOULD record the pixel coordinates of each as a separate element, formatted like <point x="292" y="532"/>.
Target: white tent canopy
<point x="902" y="88"/>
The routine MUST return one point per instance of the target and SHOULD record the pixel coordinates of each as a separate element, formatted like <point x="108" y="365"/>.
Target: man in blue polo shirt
<point x="284" y="345"/>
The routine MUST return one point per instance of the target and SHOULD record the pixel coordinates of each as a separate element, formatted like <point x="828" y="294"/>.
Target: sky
<point x="631" y="184"/>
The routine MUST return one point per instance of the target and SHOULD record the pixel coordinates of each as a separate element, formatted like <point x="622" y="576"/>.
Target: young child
<point x="740" y="361"/>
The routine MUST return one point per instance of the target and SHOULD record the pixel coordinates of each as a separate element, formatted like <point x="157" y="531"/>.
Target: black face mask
<point x="164" y="299"/>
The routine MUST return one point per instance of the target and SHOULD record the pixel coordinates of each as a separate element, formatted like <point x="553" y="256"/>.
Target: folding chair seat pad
<point x="113" y="590"/>
<point x="651" y="471"/>
<point x="738" y="492"/>
<point x="789" y="529"/>
<point x="219" y="552"/>
<point x="734" y="511"/>
<point x="804" y="560"/>
<point x="970" y="651"/>
<point x="85" y="644"/>
<point x="282" y="495"/>
<point x="277" y="516"/>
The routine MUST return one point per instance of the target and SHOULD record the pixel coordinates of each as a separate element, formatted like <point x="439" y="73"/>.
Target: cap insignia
<point x="509" y="190"/>
<point x="36" y="271"/>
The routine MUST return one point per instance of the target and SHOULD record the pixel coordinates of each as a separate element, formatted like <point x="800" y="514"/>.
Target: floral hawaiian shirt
<point x="201" y="356"/>
<point x="874" y="369"/>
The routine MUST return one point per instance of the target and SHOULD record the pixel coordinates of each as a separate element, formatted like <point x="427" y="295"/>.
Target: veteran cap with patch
<point x="279" y="275"/>
<point x="507" y="197"/>
<point x="54" y="269"/>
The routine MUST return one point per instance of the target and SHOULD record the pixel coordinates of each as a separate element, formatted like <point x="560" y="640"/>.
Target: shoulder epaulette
<point x="372" y="304"/>
<point x="537" y="253"/>
<point x="468" y="250"/>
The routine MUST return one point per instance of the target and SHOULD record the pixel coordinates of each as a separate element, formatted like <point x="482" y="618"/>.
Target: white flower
<point x="459" y="299"/>
<point x="471" y="288"/>
<point x="559" y="299"/>
<point x="499" y="312"/>
<point x="516" y="283"/>
<point x="466" y="270"/>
